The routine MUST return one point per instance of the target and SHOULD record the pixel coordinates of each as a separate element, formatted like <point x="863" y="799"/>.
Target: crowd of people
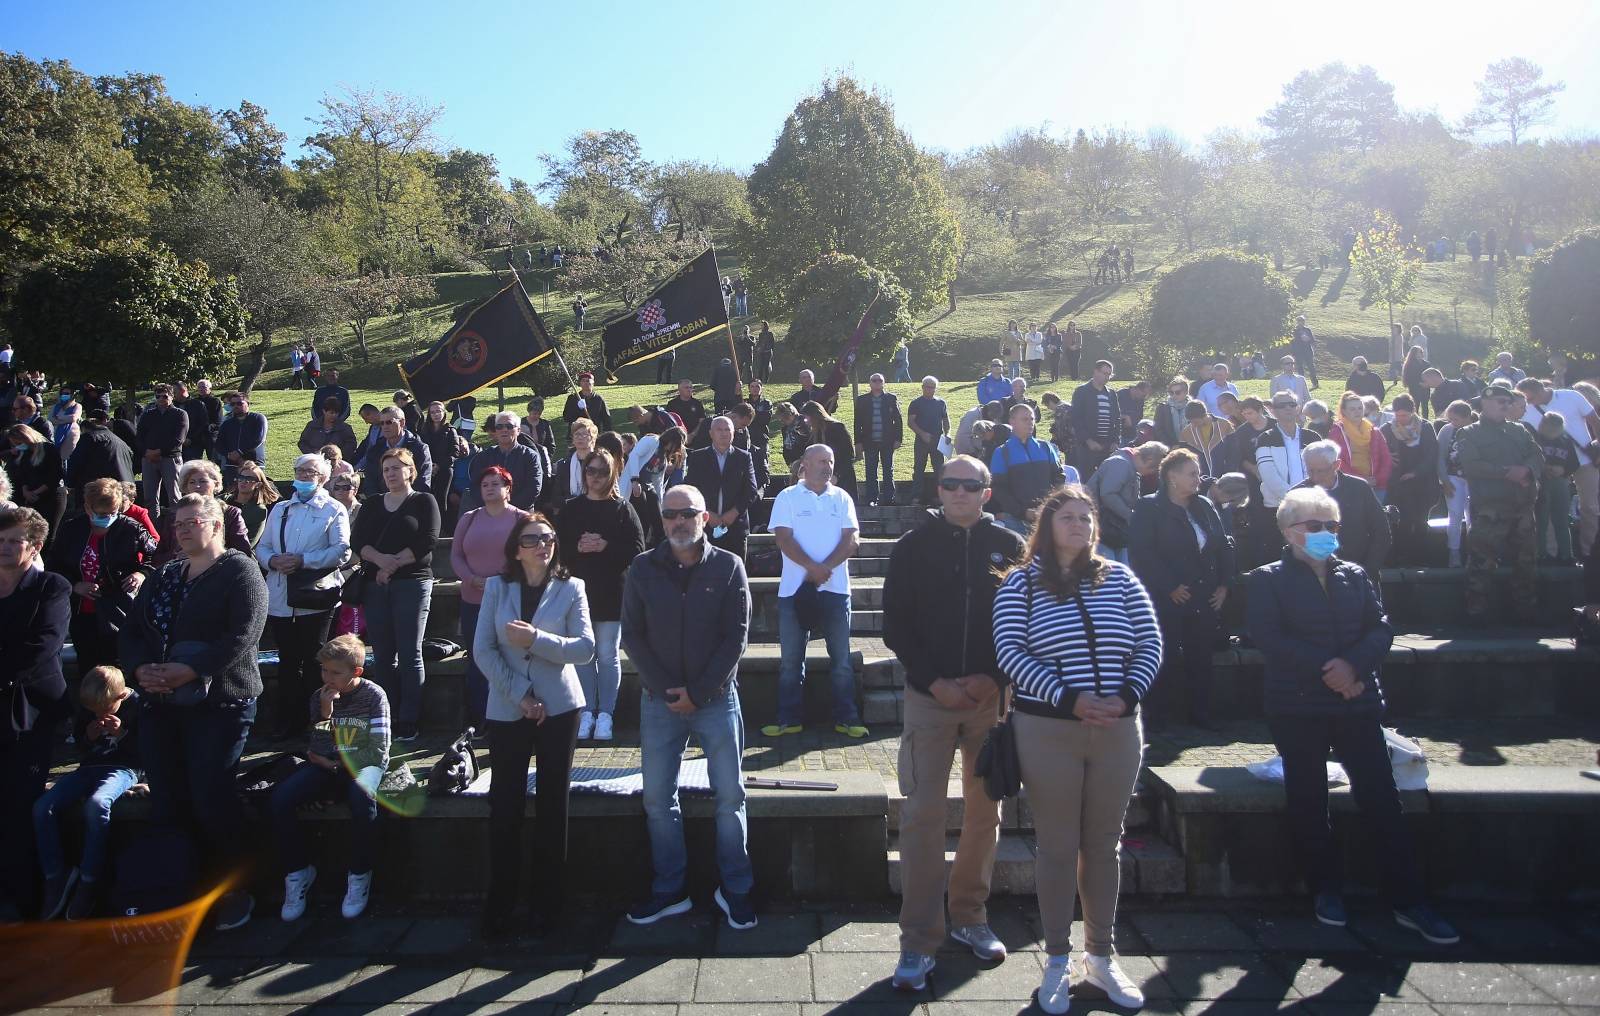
<point x="1094" y="549"/>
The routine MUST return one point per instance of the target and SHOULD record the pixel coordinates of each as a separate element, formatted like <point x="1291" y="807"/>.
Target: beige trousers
<point x="1078" y="779"/>
<point x="928" y="744"/>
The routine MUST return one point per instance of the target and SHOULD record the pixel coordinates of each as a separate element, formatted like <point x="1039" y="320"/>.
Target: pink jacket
<point x="1382" y="464"/>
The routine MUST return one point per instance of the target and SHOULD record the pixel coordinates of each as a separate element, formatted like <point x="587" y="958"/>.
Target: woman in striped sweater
<point x="1078" y="637"/>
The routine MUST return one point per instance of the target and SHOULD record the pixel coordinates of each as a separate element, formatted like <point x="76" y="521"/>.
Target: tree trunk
<point x="358" y="329"/>
<point x="256" y="363"/>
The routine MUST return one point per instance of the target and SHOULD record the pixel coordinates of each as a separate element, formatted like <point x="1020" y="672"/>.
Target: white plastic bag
<point x="1406" y="758"/>
<point x="945" y="447"/>
<point x="1271" y="770"/>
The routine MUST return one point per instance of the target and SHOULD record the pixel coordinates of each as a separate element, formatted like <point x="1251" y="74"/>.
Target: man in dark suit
<point x="726" y="476"/>
<point x="879" y="430"/>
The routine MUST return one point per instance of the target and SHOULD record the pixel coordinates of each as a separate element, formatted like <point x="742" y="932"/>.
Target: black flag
<point x="496" y="339"/>
<point x="686" y="307"/>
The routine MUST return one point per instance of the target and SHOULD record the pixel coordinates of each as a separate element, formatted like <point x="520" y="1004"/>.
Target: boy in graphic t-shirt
<point x="347" y="757"/>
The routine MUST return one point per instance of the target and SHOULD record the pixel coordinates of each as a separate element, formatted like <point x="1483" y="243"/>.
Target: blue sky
<point x="713" y="81"/>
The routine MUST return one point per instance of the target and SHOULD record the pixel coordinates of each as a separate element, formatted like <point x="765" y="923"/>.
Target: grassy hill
<point x="954" y="345"/>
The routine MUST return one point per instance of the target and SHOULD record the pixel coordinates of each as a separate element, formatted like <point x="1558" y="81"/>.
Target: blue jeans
<point x="397" y="615"/>
<point x="663" y="735"/>
<point x="874" y="457"/>
<point x="835" y="631"/>
<point x="190" y="754"/>
<point x="98" y="788"/>
<point x="310" y="783"/>
<point x="602" y="676"/>
<point x="477" y="690"/>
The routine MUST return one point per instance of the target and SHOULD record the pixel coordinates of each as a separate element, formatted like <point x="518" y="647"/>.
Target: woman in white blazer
<point x="533" y="632"/>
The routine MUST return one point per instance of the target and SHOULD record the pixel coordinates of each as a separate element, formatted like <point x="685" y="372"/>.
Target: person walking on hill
<point x="1320" y="626"/>
<point x="1072" y="345"/>
<point x="938" y="603"/>
<point x="816" y="528"/>
<point x="1304" y="347"/>
<point x="686" y="624"/>
<point x="1078" y="638"/>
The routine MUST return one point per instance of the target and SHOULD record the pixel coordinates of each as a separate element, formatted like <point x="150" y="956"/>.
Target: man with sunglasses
<point x="525" y="465"/>
<point x="242" y="436"/>
<point x="1279" y="467"/>
<point x="392" y="433"/>
<point x="938" y="605"/>
<point x="685" y="624"/>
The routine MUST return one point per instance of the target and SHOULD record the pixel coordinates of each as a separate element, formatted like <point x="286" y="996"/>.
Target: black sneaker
<point x="57" y="893"/>
<point x="1329" y="908"/>
<point x="658" y="906"/>
<point x="405" y="732"/>
<point x="741" y="914"/>
<point x="233" y="910"/>
<point x="1423" y="920"/>
<point x="85" y="901"/>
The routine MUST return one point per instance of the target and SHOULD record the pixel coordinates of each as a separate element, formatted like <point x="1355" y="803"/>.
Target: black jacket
<point x="163" y="430"/>
<point x="100" y="454"/>
<point x="224" y="612"/>
<point x="1363" y="527"/>
<point x="893" y="425"/>
<point x="1086" y="414"/>
<point x="735" y="482"/>
<point x="1299" y="627"/>
<point x="686" y="631"/>
<point x="594" y="409"/>
<point x="618" y="524"/>
<point x="691" y="411"/>
<point x="1164" y="553"/>
<point x="938" y="601"/>
<point x="33" y="628"/>
<point x="127" y="547"/>
<point x="1363" y="384"/>
<point x="372" y="469"/>
<point x="724" y="385"/>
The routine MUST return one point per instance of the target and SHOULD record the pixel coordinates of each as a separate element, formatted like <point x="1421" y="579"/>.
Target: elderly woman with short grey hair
<point x="201" y="476"/>
<point x="1321" y="628"/>
<point x="303" y="544"/>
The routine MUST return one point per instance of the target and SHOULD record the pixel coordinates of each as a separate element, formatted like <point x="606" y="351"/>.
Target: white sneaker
<point x="585" y="725"/>
<point x="357" y="890"/>
<point x="296" y="886"/>
<point x="1056" y="985"/>
<point x="1104" y="973"/>
<point x="602" y="727"/>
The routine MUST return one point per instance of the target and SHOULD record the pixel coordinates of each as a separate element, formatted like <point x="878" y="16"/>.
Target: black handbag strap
<point x="1088" y="631"/>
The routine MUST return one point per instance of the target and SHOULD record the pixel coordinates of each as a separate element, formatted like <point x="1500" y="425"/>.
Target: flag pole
<point x="733" y="351"/>
<point x="554" y="348"/>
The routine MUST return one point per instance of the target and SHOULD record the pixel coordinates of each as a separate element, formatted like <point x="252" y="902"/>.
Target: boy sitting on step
<point x="105" y="734"/>
<point x="348" y="755"/>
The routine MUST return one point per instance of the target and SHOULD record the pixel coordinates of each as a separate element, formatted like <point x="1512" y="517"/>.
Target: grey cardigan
<point x="564" y="638"/>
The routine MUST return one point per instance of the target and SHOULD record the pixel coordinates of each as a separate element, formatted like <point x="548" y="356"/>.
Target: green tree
<point x="131" y="313"/>
<point x="600" y="177"/>
<point x="1385" y="264"/>
<point x="65" y="179"/>
<point x="179" y="144"/>
<point x="688" y="195"/>
<point x="1512" y="97"/>
<point x="628" y="270"/>
<point x="1563" y="296"/>
<point x="252" y="150"/>
<point x="1329" y="112"/>
<point x="1218" y="302"/>
<point x="361" y="299"/>
<point x="830" y="298"/>
<point x="1176" y="184"/>
<point x="844" y="179"/>
<point x="1102" y="174"/>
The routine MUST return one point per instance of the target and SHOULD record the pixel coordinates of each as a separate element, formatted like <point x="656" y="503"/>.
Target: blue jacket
<point x="246" y="435"/>
<point x="1165" y="554"/>
<point x="1298" y="627"/>
<point x="993" y="389"/>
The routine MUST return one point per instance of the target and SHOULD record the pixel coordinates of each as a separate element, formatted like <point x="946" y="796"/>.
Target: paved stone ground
<point x="1243" y="960"/>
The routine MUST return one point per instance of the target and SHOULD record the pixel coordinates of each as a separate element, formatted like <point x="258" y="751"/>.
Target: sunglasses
<point x="531" y="540"/>
<point x="970" y="486"/>
<point x="596" y="471"/>
<point x="1317" y="526"/>
<point x="505" y="426"/>
<point x="249" y="479"/>
<point x="679" y="513"/>
<point x="341" y="486"/>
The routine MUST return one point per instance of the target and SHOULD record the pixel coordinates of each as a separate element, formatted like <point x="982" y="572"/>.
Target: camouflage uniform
<point x="1502" y="512"/>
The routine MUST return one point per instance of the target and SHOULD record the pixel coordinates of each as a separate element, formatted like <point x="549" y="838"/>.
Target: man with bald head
<point x="725" y="476"/>
<point x="685" y="624"/>
<point x="815" y="525"/>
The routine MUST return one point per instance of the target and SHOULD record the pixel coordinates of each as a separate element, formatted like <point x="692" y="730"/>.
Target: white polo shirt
<point x="817" y="521"/>
<point x="1573" y="408"/>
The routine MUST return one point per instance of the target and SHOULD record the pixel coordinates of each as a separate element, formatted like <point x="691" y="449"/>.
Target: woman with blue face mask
<point x="304" y="541"/>
<point x="1321" y="629"/>
<point x="106" y="556"/>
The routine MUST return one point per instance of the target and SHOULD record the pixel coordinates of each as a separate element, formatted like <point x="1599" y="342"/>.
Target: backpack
<point x="155" y="872"/>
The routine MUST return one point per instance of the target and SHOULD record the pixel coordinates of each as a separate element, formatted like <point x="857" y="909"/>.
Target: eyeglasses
<point x="596" y="471"/>
<point x="680" y="513"/>
<point x="531" y="540"/>
<point x="1318" y="525"/>
<point x="970" y="486"/>
<point x="188" y="523"/>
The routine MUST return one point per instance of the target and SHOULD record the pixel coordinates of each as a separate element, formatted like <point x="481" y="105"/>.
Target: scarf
<point x="1358" y="438"/>
<point x="1409" y="436"/>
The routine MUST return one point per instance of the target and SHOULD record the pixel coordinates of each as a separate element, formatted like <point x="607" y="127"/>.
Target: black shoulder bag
<point x="998" y="765"/>
<point x="354" y="589"/>
<point x="303" y="591"/>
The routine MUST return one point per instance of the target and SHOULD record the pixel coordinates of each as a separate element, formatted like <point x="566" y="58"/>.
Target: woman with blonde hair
<point x="1363" y="451"/>
<point x="254" y="495"/>
<point x="201" y="476"/>
<point x="1078" y="636"/>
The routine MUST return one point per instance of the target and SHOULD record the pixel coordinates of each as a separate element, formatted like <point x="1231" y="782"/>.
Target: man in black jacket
<point x="1364" y="529"/>
<point x="685" y="624"/>
<point x="938" y="620"/>
<point x="99" y="454"/>
<point x="1096" y="419"/>
<point x="879" y="431"/>
<point x="162" y="430"/>
<point x="726" y="478"/>
<point x="586" y="402"/>
<point x="689" y="409"/>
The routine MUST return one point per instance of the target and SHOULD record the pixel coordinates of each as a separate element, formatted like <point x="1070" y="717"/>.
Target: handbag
<point x="354" y="588"/>
<point x="998" y="765"/>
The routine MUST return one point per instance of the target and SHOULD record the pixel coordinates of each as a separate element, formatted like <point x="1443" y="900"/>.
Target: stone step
<point x="1481" y="832"/>
<point x="1015" y="813"/>
<point x="1150" y="865"/>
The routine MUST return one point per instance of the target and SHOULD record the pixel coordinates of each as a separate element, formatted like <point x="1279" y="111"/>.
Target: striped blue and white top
<point x="1044" y="647"/>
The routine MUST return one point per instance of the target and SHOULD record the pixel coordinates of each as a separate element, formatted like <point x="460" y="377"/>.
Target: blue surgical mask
<point x="102" y="521"/>
<point x="1321" y="546"/>
<point x="303" y="489"/>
